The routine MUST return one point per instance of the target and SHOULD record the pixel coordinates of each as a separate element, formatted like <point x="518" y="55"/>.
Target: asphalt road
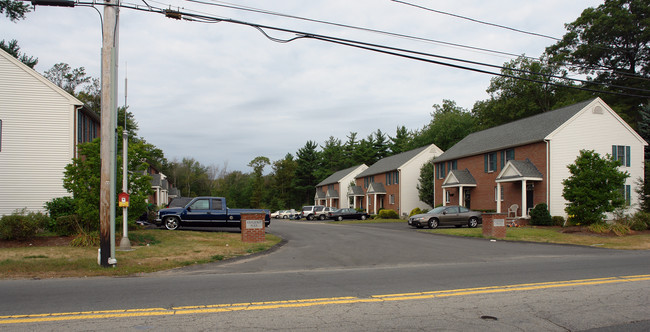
<point x="356" y="277"/>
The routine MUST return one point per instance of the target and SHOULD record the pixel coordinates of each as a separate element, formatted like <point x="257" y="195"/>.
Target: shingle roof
<point x="338" y="176"/>
<point x="463" y="177"/>
<point x="523" y="131"/>
<point x="526" y="168"/>
<point x="355" y="191"/>
<point x="391" y="163"/>
<point x="376" y="188"/>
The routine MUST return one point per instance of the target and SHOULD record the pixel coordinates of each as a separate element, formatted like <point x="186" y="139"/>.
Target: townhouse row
<point x="513" y="167"/>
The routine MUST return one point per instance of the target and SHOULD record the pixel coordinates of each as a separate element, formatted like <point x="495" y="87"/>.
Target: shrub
<point x="387" y="214"/>
<point x="22" y="225"/>
<point x="640" y="221"/>
<point x="66" y="225"/>
<point x="61" y="206"/>
<point x="415" y="211"/>
<point x="540" y="216"/>
<point x="84" y="239"/>
<point x="599" y="227"/>
<point x="558" y="221"/>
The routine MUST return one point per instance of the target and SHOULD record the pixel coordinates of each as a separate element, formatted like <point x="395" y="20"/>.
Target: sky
<point x="223" y="93"/>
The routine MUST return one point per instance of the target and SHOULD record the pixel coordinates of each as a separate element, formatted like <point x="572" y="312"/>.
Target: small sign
<point x="254" y="224"/>
<point x="123" y="200"/>
<point x="499" y="223"/>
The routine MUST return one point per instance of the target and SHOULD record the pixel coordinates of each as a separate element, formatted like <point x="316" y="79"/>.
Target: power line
<point x="476" y="21"/>
<point x="379" y="48"/>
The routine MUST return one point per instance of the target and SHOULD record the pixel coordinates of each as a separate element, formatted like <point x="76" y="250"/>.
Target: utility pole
<point x="125" y="244"/>
<point x="108" y="146"/>
<point x="108" y="127"/>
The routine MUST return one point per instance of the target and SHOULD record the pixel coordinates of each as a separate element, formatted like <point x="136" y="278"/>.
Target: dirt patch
<point x="582" y="230"/>
<point x="46" y="241"/>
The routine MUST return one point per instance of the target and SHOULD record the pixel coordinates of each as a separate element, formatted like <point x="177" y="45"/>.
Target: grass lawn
<point x="154" y="250"/>
<point x="638" y="241"/>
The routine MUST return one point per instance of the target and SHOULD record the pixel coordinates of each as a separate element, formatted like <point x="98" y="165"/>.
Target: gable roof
<point x="338" y="176"/>
<point x="391" y="163"/>
<point x="519" y="169"/>
<point x="39" y="77"/>
<point x="459" y="177"/>
<point x="523" y="131"/>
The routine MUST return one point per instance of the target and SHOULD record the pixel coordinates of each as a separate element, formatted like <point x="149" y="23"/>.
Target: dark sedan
<point x="347" y="213"/>
<point x="447" y="215"/>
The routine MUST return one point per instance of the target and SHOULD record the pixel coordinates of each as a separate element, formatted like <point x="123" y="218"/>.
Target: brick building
<point x="524" y="162"/>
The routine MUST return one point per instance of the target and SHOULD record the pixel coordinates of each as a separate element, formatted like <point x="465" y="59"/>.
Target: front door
<point x="530" y="189"/>
<point x="468" y="199"/>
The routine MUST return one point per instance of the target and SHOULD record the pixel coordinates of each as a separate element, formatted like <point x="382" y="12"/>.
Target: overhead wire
<point x="388" y="50"/>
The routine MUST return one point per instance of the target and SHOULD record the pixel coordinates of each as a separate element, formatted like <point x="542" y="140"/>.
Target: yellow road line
<point x="217" y="308"/>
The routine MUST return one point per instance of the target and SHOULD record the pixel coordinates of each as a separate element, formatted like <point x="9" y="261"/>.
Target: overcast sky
<point x="223" y="93"/>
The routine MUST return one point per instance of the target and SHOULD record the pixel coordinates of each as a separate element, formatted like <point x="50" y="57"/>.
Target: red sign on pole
<point x="123" y="200"/>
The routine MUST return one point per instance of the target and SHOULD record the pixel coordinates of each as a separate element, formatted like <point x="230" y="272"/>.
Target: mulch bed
<point x="45" y="241"/>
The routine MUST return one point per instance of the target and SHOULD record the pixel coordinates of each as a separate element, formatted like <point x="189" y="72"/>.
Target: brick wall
<point x="254" y="234"/>
<point x="482" y="196"/>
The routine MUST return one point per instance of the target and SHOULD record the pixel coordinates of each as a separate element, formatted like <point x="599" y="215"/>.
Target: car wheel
<point x="321" y="217"/>
<point x="171" y="223"/>
<point x="285" y="217"/>
<point x="473" y="222"/>
<point x="310" y="217"/>
<point x="433" y="223"/>
<point x="363" y="217"/>
<point x="339" y="218"/>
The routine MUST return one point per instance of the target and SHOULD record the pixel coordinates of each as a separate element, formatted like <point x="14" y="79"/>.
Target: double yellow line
<point x="217" y="308"/>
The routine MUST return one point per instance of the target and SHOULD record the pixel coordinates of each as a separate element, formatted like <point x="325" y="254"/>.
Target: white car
<point x="276" y="214"/>
<point x="288" y="214"/>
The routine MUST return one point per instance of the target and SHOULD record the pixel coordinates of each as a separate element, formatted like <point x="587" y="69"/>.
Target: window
<point x="392" y="178"/>
<point x="626" y="193"/>
<point x="202" y="204"/>
<point x="388" y="178"/>
<point x="495" y="193"/>
<point x="622" y="154"/>
<point x="368" y="180"/>
<point x="463" y="209"/>
<point x="507" y="155"/>
<point x="391" y="199"/>
<point x="441" y="170"/>
<point x="217" y="204"/>
<point x="490" y="160"/>
<point x="86" y="128"/>
<point x="452" y="165"/>
<point x="447" y="197"/>
<point x="396" y="177"/>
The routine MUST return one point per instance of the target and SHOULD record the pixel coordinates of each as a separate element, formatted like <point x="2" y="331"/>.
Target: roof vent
<point x="598" y="110"/>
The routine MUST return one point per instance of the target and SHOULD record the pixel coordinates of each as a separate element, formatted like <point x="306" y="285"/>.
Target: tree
<point x="258" y="165"/>
<point x="401" y="142"/>
<point x="348" y="149"/>
<point x="380" y="145"/>
<point x="306" y="165"/>
<point x="13" y="49"/>
<point x="593" y="188"/>
<point x="284" y="174"/>
<point x="610" y="44"/>
<point x="449" y="124"/>
<point x="518" y="94"/>
<point x="14" y="10"/>
<point x="81" y="178"/>
<point x="67" y="78"/>
<point x="425" y="183"/>
<point x="332" y="158"/>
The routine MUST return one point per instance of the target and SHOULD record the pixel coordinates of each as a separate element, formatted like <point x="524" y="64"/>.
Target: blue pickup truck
<point x="205" y="212"/>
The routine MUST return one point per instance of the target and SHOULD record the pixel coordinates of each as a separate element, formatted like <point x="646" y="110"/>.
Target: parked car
<point x="447" y="215"/>
<point x="205" y="212"/>
<point x="309" y="211"/>
<point x="324" y="213"/>
<point x="289" y="214"/>
<point x="347" y="213"/>
<point x="276" y="214"/>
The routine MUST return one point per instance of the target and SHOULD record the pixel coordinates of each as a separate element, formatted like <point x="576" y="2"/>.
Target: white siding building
<point x="596" y="127"/>
<point x="40" y="126"/>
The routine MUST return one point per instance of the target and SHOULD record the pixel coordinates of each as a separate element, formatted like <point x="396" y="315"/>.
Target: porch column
<point x="461" y="197"/>
<point x="367" y="201"/>
<point x="444" y="197"/>
<point x="499" y="197"/>
<point x="524" y="208"/>
<point x="374" y="205"/>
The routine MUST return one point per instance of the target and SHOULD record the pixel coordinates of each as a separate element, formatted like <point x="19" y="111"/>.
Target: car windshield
<point x="437" y="210"/>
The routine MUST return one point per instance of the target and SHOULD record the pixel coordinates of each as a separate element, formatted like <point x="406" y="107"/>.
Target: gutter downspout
<point x="548" y="173"/>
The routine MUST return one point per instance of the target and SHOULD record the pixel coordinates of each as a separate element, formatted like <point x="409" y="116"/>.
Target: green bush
<point x="640" y="221"/>
<point x="540" y="216"/>
<point x="415" y="211"/>
<point x="387" y="214"/>
<point x="22" y="225"/>
<point x="61" y="206"/>
<point x="558" y="221"/>
<point x="66" y="225"/>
